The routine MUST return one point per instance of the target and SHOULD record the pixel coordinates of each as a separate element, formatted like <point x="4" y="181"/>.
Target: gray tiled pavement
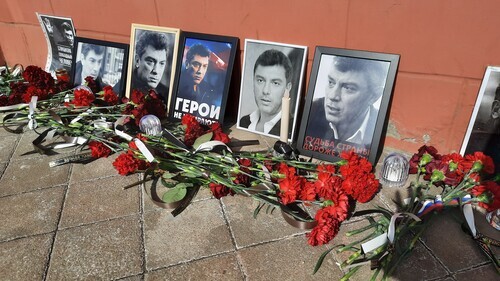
<point x="75" y="222"/>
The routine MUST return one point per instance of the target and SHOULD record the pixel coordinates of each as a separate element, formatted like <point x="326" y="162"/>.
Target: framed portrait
<point x="346" y="103"/>
<point x="105" y="62"/>
<point x="483" y="132"/>
<point x="202" y="77"/>
<point x="152" y="60"/>
<point x="270" y="71"/>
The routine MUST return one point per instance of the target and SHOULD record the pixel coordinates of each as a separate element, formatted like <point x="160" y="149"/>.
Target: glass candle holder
<point x="394" y="171"/>
<point x="150" y="125"/>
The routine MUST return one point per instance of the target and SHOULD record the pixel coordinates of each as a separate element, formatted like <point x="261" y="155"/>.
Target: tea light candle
<point x="285" y="112"/>
<point x="394" y="171"/>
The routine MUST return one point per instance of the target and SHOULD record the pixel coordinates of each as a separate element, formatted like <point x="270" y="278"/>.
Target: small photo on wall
<point x="483" y="132"/>
<point x="105" y="62"/>
<point x="152" y="60"/>
<point x="203" y="76"/>
<point x="270" y="71"/>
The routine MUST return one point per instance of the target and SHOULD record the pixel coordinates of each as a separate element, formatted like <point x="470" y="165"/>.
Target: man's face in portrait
<point x="69" y="36"/>
<point x="347" y="95"/>
<point x="151" y="65"/>
<point x="91" y="64"/>
<point x="197" y="68"/>
<point x="269" y="86"/>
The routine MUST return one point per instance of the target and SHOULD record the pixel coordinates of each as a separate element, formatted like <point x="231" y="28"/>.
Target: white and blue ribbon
<point x="31" y="115"/>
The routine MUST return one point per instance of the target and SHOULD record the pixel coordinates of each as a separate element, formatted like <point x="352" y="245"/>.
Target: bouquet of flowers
<point x="441" y="181"/>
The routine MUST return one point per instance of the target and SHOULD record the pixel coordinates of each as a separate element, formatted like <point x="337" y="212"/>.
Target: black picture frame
<point x="201" y="86"/>
<point x="271" y="57"/>
<point x="483" y="131"/>
<point x="326" y="139"/>
<point x="113" y="63"/>
<point x="137" y="69"/>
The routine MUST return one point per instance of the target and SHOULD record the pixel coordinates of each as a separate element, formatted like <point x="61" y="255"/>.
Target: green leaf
<point x="321" y="259"/>
<point x="168" y="175"/>
<point x="184" y="185"/>
<point x="202" y="139"/>
<point x="174" y="195"/>
<point x="169" y="184"/>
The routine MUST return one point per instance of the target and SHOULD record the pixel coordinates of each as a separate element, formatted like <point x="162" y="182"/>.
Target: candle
<point x="285" y="112"/>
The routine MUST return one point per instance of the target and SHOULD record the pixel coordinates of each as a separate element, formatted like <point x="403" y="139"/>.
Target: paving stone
<point x="247" y="230"/>
<point x="3" y="166"/>
<point x="31" y="174"/>
<point x="98" y="200"/>
<point x="288" y="259"/>
<point x="25" y="259"/>
<point x="132" y="278"/>
<point x="25" y="148"/>
<point x="203" y="194"/>
<point x="30" y="213"/>
<point x="99" y="168"/>
<point x="223" y="267"/>
<point x="486" y="272"/>
<point x="448" y="242"/>
<point x="105" y="250"/>
<point x="7" y="146"/>
<point x="199" y="231"/>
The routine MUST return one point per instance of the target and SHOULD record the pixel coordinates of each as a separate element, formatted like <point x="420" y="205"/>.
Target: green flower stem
<point x="350" y="273"/>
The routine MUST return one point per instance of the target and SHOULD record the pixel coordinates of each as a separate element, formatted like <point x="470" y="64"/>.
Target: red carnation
<point x="478" y="162"/>
<point x="98" y="149"/>
<point x="83" y="97"/>
<point x="17" y="89"/>
<point x="219" y="190"/>
<point x="137" y="97"/>
<point x="34" y="91"/>
<point x="424" y="155"/>
<point x="358" y="182"/>
<point x="325" y="230"/>
<point x="38" y="78"/>
<point x="193" y="129"/>
<point x="126" y="164"/>
<point x="110" y="97"/>
<point x="90" y="82"/>
<point x="290" y="188"/>
<point x="488" y="194"/>
<point x="4" y="100"/>
<point x="218" y="133"/>
<point x="307" y="192"/>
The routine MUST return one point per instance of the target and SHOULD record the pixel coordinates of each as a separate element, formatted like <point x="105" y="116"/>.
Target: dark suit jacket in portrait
<point x="138" y="84"/>
<point x="204" y="93"/>
<point x="487" y="140"/>
<point x="276" y="129"/>
<point x="319" y="127"/>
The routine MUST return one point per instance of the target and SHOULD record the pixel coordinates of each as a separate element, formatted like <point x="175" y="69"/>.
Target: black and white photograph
<point x="346" y="103"/>
<point x="483" y="132"/>
<point x="60" y="36"/>
<point x="203" y="76"/>
<point x="272" y="73"/>
<point x="152" y="59"/>
<point x="105" y="62"/>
